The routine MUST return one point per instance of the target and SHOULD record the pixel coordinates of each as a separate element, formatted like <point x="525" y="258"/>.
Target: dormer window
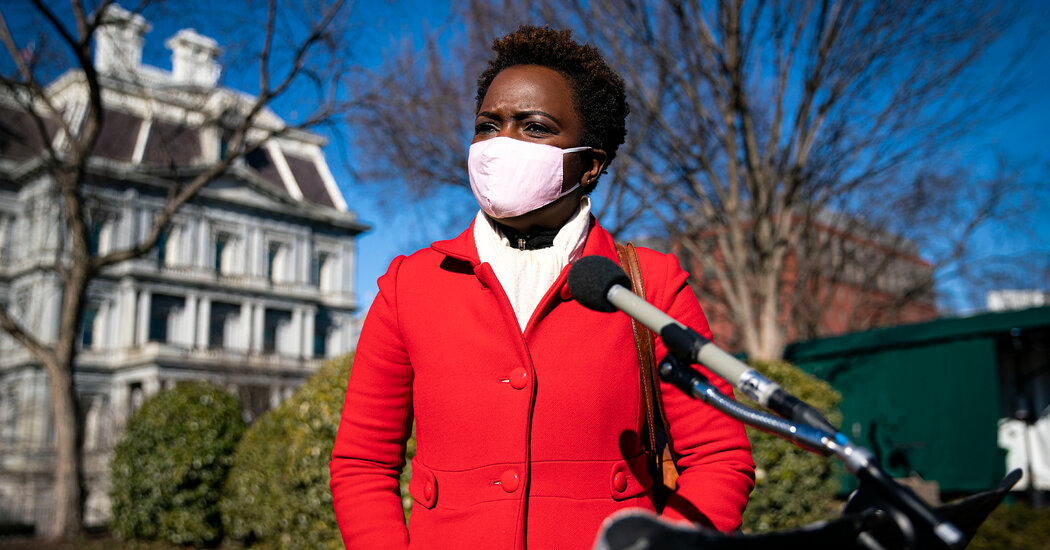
<point x="100" y="235"/>
<point x="223" y="320"/>
<point x="323" y="326"/>
<point x="276" y="323"/>
<point x="163" y="315"/>
<point x="162" y="248"/>
<point x="227" y="255"/>
<point x="222" y="240"/>
<point x="277" y="262"/>
<point x="87" y="327"/>
<point x="319" y="269"/>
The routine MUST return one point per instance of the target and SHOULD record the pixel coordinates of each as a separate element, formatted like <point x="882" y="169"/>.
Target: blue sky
<point x="1022" y="136"/>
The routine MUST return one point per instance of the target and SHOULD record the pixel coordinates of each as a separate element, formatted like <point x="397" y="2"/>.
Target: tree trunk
<point x="315" y="52"/>
<point x="68" y="520"/>
<point x="769" y="344"/>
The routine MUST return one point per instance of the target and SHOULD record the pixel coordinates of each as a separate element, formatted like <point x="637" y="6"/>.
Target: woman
<point x="527" y="405"/>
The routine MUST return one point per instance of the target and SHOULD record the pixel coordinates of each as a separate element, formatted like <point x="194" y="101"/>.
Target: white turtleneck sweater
<point x="526" y="275"/>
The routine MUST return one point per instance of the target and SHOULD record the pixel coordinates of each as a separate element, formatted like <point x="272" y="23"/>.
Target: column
<point x="23" y="386"/>
<point x="306" y="260"/>
<point x="188" y="322"/>
<point x="336" y="331"/>
<point x="40" y="411"/>
<point x="183" y="236"/>
<point x="346" y="284"/>
<point x="204" y="324"/>
<point x="134" y="233"/>
<point x="275" y="396"/>
<point x="307" y="349"/>
<point x="193" y="243"/>
<point x="102" y="339"/>
<point x="92" y="420"/>
<point x="18" y="235"/>
<point x="293" y="338"/>
<point x="256" y="254"/>
<point x="150" y="386"/>
<point x="124" y="236"/>
<point x="142" y="318"/>
<point x="258" y="314"/>
<point x="125" y="326"/>
<point x="244" y="327"/>
<point x="38" y="227"/>
<point x="205" y="255"/>
<point x="50" y="309"/>
<point x="145" y="222"/>
<point x="30" y="234"/>
<point x="119" y="399"/>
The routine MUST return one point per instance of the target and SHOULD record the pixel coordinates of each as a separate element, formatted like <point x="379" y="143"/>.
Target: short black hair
<point x="598" y="91"/>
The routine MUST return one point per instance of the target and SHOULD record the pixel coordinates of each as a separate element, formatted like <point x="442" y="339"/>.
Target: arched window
<point x="277" y="262"/>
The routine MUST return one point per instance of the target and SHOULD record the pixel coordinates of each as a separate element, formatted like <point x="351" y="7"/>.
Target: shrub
<point x="277" y="494"/>
<point x="406" y="474"/>
<point x="170" y="464"/>
<point x="793" y="487"/>
<point x="1015" y="525"/>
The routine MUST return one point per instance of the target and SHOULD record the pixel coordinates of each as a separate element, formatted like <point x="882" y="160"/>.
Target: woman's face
<point x="534" y="103"/>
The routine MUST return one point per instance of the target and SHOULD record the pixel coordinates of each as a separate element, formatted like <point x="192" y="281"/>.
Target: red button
<point x="519" y="378"/>
<point x="509" y="481"/>
<point x="619" y="482"/>
<point x="428" y="492"/>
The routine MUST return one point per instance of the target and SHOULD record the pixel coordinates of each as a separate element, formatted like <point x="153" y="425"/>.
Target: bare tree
<point x="758" y="131"/>
<point x="295" y="49"/>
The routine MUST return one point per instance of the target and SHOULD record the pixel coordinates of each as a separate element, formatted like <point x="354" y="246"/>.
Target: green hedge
<point x="793" y="487"/>
<point x="406" y="474"/>
<point x="170" y="464"/>
<point x="1016" y="526"/>
<point x="277" y="494"/>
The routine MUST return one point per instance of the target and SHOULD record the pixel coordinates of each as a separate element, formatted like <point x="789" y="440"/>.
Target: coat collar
<point x="462" y="247"/>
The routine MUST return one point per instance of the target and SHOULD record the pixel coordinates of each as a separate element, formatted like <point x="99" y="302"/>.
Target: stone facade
<point x="250" y="288"/>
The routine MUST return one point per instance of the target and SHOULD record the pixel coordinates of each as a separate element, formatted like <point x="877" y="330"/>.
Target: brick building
<point x="863" y="279"/>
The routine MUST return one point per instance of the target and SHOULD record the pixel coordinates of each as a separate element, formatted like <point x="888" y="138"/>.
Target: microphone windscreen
<point x="590" y="279"/>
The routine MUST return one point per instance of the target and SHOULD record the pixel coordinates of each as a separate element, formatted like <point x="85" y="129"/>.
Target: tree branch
<point x="13" y="328"/>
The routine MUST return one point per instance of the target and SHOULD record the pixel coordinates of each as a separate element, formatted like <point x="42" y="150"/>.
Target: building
<point x="841" y="276"/>
<point x="250" y="288"/>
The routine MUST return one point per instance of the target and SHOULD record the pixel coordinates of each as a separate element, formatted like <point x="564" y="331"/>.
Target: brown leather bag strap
<point x="643" y="340"/>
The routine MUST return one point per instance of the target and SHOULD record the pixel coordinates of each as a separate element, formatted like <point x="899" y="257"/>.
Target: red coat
<point x="522" y="441"/>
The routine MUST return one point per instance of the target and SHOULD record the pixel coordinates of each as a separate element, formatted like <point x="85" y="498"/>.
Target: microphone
<point x="600" y="284"/>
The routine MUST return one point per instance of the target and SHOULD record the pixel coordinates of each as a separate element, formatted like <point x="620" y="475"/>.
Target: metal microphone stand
<point x="919" y="525"/>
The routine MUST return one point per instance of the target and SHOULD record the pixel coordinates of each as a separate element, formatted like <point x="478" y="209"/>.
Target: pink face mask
<point x="510" y="177"/>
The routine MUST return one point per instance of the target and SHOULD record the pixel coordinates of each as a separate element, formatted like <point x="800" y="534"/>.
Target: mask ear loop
<point x="571" y="189"/>
<point x="573" y="150"/>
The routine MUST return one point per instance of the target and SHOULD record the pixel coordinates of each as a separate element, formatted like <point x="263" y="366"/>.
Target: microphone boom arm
<point x="691" y="347"/>
<point x="695" y="384"/>
<point x="599" y="283"/>
<point x="857" y="460"/>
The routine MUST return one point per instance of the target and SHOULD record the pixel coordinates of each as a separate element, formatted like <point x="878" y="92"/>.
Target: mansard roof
<point x="154" y="119"/>
<point x="292" y="168"/>
<point x="21" y="137"/>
